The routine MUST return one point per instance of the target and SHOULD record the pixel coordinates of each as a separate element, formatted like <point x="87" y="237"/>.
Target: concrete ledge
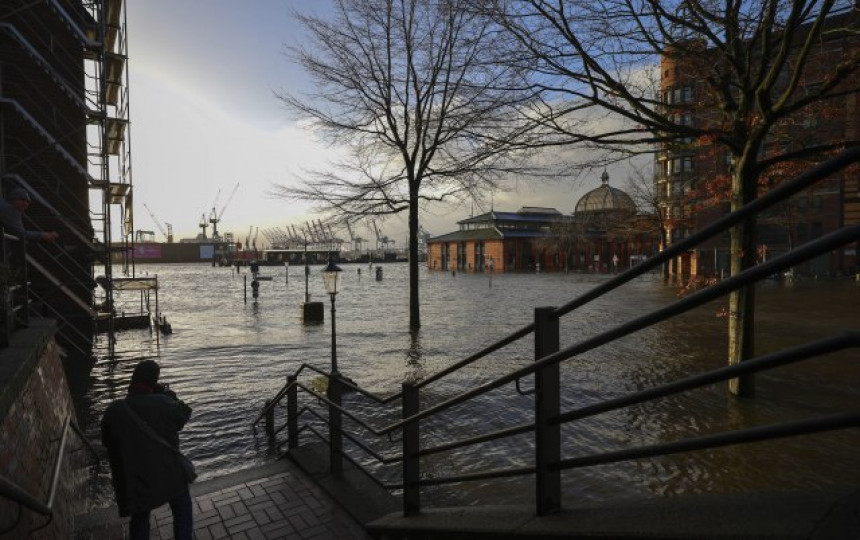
<point x="19" y="359"/>
<point x="831" y="514"/>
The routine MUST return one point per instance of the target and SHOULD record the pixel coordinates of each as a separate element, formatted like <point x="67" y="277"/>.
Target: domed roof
<point x="605" y="198"/>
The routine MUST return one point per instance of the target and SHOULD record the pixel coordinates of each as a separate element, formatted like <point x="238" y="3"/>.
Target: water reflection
<point x="225" y="358"/>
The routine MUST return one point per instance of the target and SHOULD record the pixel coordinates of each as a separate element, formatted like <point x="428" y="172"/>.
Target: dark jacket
<point x="145" y="474"/>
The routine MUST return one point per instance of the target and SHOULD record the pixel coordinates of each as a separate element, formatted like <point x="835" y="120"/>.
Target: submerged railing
<point x="548" y="418"/>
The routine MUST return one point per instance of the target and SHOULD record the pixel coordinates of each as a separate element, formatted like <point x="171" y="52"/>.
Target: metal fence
<point x="549" y="461"/>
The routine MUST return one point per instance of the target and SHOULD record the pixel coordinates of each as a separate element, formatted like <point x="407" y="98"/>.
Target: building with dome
<point x="604" y="234"/>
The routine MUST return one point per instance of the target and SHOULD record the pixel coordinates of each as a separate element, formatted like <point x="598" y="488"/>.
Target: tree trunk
<point x="414" y="306"/>
<point x="742" y="301"/>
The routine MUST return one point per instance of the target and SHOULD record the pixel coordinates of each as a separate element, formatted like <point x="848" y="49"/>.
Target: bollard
<point x="245" y="280"/>
<point x="411" y="446"/>
<point x="547" y="435"/>
<point x="378" y="273"/>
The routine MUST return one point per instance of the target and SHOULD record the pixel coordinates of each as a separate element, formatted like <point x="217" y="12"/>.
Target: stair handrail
<point x="51" y="140"/>
<point x="84" y="239"/>
<point x="774" y="196"/>
<point x="412" y="415"/>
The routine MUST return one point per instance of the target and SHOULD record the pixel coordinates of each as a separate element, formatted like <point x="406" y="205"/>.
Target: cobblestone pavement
<point x="284" y="503"/>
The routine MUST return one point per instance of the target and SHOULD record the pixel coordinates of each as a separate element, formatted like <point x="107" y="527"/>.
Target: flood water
<point x="226" y="356"/>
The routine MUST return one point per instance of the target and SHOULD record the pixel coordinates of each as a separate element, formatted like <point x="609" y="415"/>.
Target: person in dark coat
<point x="12" y="210"/>
<point x="145" y="473"/>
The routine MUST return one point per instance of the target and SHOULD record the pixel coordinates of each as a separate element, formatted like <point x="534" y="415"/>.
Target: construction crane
<point x="168" y="234"/>
<point x="215" y="217"/>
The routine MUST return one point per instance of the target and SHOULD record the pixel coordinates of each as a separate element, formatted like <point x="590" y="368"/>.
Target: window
<point x="687" y="94"/>
<point x="687" y="164"/>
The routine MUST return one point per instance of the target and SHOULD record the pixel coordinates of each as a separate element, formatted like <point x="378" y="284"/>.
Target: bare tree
<point x="644" y="193"/>
<point x="750" y="66"/>
<point x="414" y="91"/>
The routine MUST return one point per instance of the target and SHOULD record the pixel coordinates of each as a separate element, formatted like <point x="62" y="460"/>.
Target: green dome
<point x="605" y="199"/>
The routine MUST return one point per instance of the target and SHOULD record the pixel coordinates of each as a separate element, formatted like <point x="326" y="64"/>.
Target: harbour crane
<point x="355" y="240"/>
<point x="203" y="225"/>
<point x="381" y="240"/>
<point x="168" y="234"/>
<point x="311" y="233"/>
<point x="215" y="217"/>
<point x="254" y="241"/>
<point x="248" y="238"/>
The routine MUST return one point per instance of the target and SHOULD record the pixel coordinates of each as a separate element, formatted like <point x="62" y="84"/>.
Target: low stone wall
<point x="34" y="404"/>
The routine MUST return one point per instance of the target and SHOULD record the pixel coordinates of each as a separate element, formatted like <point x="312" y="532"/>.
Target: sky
<point x="204" y="117"/>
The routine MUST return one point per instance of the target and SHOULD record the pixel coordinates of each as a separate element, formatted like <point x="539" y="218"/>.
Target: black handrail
<point x="13" y="254"/>
<point x="411" y="414"/>
<point x="751" y="275"/>
<point x="773" y="197"/>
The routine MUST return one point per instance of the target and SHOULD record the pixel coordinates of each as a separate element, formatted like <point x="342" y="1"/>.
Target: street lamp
<point x="331" y="280"/>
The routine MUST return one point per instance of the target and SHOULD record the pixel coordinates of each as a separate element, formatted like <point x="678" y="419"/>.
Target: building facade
<point x="684" y="167"/>
<point x="63" y="138"/>
<point x="605" y="234"/>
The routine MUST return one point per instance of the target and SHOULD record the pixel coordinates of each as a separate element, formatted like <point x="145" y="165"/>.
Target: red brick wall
<point x="38" y="404"/>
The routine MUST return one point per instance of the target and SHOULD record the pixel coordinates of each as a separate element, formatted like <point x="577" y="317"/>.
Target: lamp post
<point x="331" y="280"/>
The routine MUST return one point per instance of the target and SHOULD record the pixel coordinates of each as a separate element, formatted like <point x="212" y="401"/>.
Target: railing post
<point x="25" y="286"/>
<point x="411" y="440"/>
<point x="270" y="419"/>
<point x="292" y="412"/>
<point x="335" y="423"/>
<point x="547" y="436"/>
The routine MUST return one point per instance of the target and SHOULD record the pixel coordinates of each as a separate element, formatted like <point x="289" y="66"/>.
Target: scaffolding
<point x="109" y="160"/>
<point x="65" y="138"/>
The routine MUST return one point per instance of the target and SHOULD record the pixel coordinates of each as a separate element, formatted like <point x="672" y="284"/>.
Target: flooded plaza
<point x="226" y="357"/>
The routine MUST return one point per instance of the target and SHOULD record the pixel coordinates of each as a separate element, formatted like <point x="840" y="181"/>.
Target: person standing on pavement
<point x="146" y="473"/>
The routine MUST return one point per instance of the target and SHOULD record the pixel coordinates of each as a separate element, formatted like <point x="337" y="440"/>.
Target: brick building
<point x="683" y="166"/>
<point x="604" y="234"/>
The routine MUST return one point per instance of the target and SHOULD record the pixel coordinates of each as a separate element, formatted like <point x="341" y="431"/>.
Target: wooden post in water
<point x="547" y="435"/>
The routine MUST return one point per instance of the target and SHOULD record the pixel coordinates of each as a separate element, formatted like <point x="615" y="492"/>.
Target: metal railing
<point x="548" y="418"/>
<point x="15" y="493"/>
<point x="14" y="285"/>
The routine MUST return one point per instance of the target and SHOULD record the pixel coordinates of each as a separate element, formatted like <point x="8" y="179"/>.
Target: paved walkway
<point x="273" y="501"/>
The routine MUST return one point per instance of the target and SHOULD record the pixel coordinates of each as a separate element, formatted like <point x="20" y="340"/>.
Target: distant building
<point x="604" y="234"/>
